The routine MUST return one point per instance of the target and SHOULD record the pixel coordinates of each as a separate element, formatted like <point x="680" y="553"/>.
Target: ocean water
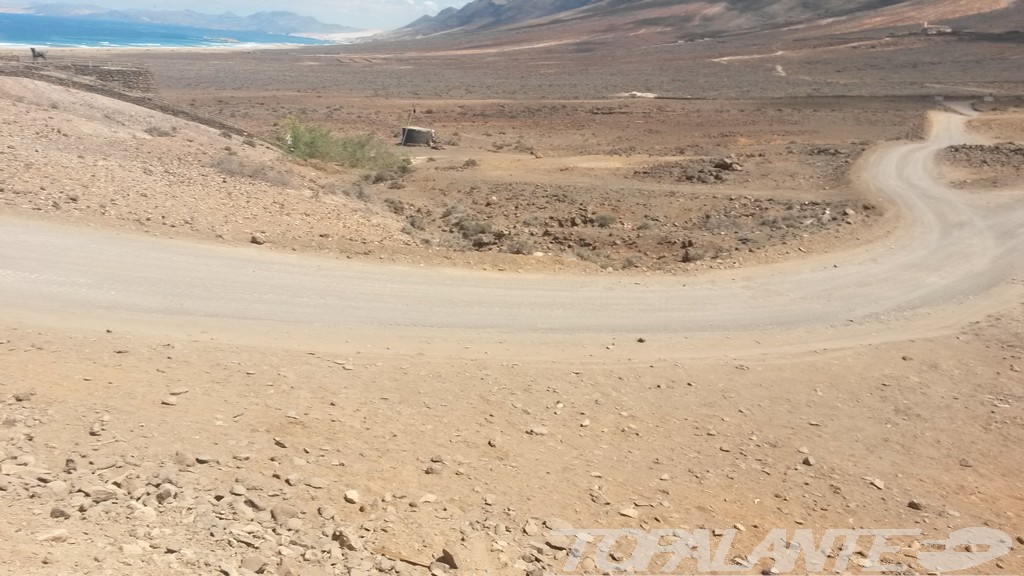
<point x="23" y="31"/>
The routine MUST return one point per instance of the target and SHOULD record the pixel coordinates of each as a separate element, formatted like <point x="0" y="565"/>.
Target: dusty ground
<point x="994" y="165"/>
<point x="154" y="450"/>
<point x="655" y="185"/>
<point x="700" y="443"/>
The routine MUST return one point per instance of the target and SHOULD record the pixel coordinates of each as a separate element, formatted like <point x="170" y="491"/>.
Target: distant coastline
<point x="25" y="30"/>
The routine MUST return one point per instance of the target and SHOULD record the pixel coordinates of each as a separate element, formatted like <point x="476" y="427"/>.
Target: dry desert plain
<point x="788" y="306"/>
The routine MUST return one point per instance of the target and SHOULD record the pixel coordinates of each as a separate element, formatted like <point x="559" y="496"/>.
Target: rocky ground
<point x="985" y="166"/>
<point x="504" y="191"/>
<point x="173" y="455"/>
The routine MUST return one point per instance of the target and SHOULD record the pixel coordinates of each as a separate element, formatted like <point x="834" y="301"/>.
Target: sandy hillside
<point x="92" y="158"/>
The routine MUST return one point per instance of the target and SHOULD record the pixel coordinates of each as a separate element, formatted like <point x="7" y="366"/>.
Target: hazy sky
<point x="377" y="14"/>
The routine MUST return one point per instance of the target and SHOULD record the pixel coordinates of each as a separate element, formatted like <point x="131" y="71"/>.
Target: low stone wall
<point x="131" y="79"/>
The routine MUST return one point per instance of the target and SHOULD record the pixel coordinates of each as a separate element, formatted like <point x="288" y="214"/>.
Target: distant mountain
<point x="267" y="22"/>
<point x="688" y="18"/>
<point x="484" y="14"/>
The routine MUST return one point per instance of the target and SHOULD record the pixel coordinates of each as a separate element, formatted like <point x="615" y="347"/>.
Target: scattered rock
<point x="352" y="496"/>
<point x="875" y="482"/>
<point x="254" y="563"/>
<point x="727" y="164"/>
<point x="59" y="513"/>
<point x="629" y="513"/>
<point x="173" y="546"/>
<point x="347" y="539"/>
<point x="808" y="461"/>
<point x="58" y="489"/>
<point x="915" y="505"/>
<point x="257" y="239"/>
<point x="537" y="431"/>
<point x="170" y="401"/>
<point x="99" y="494"/>
<point x="288" y="568"/>
<point x="281" y="513"/>
<point x="559" y="541"/>
<point x="59" y="535"/>
<point x="144" y="514"/>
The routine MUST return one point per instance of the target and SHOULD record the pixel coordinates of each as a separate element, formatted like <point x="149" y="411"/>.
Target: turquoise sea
<point x="22" y="31"/>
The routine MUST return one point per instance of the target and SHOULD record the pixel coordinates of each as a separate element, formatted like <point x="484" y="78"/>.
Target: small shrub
<point x="521" y="246"/>
<point x="470" y="163"/>
<point x="522" y="147"/>
<point x="605" y="219"/>
<point x="592" y="256"/>
<point x="249" y="142"/>
<point x="533" y="221"/>
<point x="452" y="210"/>
<point x="632" y="261"/>
<point x="233" y="165"/>
<point x="357" y="191"/>
<point x="470" y="226"/>
<point x="416" y="221"/>
<point x="225" y="134"/>
<point x="395" y="205"/>
<point x="158" y="131"/>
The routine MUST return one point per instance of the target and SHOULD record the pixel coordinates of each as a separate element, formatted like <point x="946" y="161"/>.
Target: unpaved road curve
<point x="951" y="249"/>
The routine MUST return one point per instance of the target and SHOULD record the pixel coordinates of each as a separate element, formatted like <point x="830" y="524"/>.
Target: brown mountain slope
<point x="684" y="19"/>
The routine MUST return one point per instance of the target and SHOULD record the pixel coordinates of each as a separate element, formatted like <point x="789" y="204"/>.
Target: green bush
<point x="366" y="152"/>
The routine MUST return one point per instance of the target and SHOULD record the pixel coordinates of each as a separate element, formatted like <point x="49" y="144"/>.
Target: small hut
<point x="416" y="136"/>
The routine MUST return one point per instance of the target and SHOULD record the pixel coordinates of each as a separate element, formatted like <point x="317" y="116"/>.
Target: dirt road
<point x="952" y="249"/>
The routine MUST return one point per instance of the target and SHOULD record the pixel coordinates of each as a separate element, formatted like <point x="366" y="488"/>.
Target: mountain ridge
<point x="690" y="17"/>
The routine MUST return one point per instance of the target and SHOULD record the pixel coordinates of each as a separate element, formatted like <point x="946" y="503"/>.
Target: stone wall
<point x="130" y="79"/>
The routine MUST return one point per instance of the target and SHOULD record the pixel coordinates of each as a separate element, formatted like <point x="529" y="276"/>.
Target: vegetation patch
<point x="365" y="152"/>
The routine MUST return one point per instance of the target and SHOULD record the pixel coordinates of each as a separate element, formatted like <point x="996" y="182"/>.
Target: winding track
<point x="953" y="248"/>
